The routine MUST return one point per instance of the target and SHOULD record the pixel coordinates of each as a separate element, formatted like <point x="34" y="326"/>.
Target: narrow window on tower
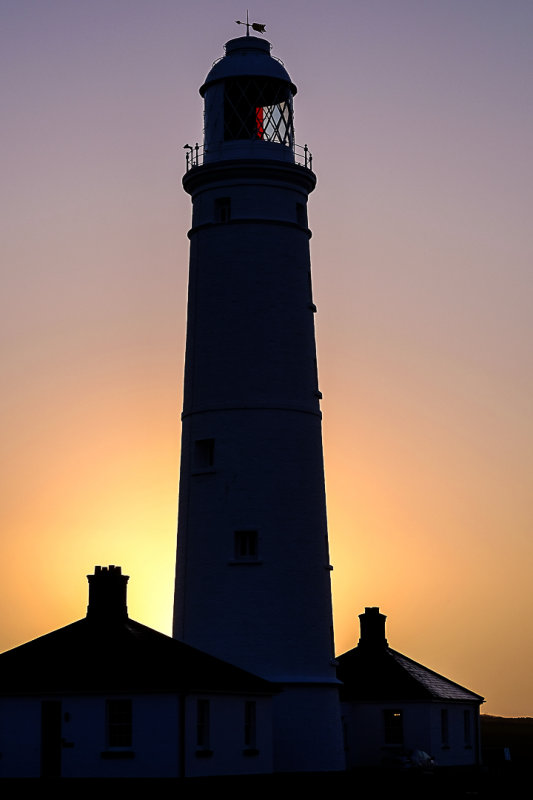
<point x="393" y="726"/>
<point x="332" y="641"/>
<point x="245" y="545"/>
<point x="345" y="733"/>
<point x="222" y="209"/>
<point x="204" y="454"/>
<point x="301" y="215"/>
<point x="250" y="726"/>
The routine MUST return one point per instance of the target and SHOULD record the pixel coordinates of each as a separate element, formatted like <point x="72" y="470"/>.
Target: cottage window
<point x="119" y="723"/>
<point x="202" y="724"/>
<point x="393" y="726"/>
<point x="249" y="724"/>
<point x="467" y="721"/>
<point x="444" y="728"/>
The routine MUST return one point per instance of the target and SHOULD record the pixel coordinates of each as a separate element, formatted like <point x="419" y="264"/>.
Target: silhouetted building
<point x="253" y="571"/>
<point x="391" y="705"/>
<point x="109" y="697"/>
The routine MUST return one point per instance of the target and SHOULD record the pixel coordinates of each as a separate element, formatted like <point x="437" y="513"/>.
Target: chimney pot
<point x="372" y="628"/>
<point x="107" y="594"/>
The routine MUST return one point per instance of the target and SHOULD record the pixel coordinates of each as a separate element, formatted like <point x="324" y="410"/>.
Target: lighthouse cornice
<point x="249" y="169"/>
<point x="250" y="221"/>
<point x="256" y="408"/>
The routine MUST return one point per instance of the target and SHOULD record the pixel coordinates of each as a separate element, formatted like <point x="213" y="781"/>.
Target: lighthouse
<point x="253" y="573"/>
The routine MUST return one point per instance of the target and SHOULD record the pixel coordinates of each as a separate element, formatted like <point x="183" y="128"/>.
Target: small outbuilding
<point x="108" y="697"/>
<point x="394" y="709"/>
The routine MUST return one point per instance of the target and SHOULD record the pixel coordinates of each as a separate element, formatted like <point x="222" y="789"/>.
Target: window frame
<point x="203" y="724"/>
<point x="119" y="723"/>
<point x="222" y="210"/>
<point x="393" y="726"/>
<point x="203" y="454"/>
<point x="246" y="546"/>
<point x="250" y="724"/>
<point x="444" y="728"/>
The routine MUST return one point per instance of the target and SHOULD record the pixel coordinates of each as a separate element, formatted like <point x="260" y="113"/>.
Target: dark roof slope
<point x="381" y="674"/>
<point x="118" y="655"/>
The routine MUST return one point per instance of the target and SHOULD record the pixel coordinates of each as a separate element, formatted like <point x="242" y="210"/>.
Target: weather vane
<point x="255" y="26"/>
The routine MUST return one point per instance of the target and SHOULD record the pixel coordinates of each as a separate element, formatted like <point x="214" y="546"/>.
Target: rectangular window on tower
<point x="222" y="209"/>
<point x="246" y="548"/>
<point x="203" y="455"/>
<point x="301" y="215"/>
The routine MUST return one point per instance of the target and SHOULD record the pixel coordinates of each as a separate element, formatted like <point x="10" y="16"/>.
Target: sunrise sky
<point x="419" y="115"/>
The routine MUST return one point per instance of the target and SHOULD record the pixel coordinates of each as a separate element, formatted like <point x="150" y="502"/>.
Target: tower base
<point x="307" y="729"/>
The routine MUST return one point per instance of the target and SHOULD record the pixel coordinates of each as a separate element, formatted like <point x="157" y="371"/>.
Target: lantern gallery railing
<point x="195" y="156"/>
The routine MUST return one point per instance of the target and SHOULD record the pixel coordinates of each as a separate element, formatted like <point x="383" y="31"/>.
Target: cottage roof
<point x="108" y="652"/>
<point x="373" y="671"/>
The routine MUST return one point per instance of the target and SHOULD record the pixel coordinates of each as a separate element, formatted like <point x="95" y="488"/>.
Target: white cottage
<point x="109" y="697"/>
<point x="393" y="706"/>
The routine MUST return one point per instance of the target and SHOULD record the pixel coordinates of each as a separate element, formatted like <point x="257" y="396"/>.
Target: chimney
<point x="107" y="594"/>
<point x="372" y="629"/>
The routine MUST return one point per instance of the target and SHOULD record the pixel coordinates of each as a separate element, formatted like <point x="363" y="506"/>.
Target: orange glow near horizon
<point x="420" y="128"/>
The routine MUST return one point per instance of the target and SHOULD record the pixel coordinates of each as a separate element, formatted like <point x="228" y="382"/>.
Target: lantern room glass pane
<point x="258" y="108"/>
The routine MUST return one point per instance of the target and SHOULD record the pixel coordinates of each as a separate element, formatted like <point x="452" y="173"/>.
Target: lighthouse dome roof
<point x="247" y="56"/>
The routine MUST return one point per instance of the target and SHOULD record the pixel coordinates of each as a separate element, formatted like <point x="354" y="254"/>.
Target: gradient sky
<point x="419" y="115"/>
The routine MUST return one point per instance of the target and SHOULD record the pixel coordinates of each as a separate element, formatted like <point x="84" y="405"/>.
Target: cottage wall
<point x="85" y="749"/>
<point x="225" y="751"/>
<point x="20" y="737"/>
<point x="365" y="739"/>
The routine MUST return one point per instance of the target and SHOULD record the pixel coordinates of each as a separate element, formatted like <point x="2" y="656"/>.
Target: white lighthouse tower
<point x="253" y="572"/>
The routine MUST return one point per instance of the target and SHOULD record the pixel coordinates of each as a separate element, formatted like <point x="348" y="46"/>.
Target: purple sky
<point x="419" y="115"/>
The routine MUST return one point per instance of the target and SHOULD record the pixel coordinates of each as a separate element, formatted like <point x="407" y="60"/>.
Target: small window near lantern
<point x="222" y="209"/>
<point x="301" y="215"/>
